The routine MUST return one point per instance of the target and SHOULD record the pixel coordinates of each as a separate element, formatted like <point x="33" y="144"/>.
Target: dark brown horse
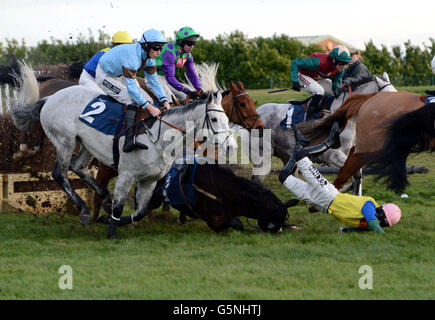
<point x="220" y="198"/>
<point x="373" y="112"/>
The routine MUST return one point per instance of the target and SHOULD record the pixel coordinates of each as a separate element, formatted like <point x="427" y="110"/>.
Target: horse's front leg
<point x="144" y="192"/>
<point x="123" y="185"/>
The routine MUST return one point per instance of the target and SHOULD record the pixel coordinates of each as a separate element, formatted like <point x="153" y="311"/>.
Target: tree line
<point x="258" y="62"/>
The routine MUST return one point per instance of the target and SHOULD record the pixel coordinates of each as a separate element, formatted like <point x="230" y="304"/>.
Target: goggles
<point x="380" y="214"/>
<point x="156" y="47"/>
<point x="189" y="43"/>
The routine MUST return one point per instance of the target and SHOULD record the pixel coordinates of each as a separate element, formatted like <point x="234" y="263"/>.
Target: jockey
<point x="361" y="213"/>
<point x="179" y="54"/>
<point x="357" y="73"/>
<point x="87" y="78"/>
<point x="116" y="75"/>
<point x="305" y="72"/>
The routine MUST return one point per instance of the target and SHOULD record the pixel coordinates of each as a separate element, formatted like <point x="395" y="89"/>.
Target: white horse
<point x="60" y="120"/>
<point x="283" y="141"/>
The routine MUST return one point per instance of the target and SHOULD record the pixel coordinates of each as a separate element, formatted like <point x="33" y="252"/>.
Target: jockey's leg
<point x="319" y="191"/>
<point x="130" y="142"/>
<point x="311" y="86"/>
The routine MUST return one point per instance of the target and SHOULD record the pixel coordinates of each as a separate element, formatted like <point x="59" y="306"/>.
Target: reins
<point x="235" y="110"/>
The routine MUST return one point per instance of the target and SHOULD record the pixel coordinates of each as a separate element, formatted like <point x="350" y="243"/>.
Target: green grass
<point x="162" y="259"/>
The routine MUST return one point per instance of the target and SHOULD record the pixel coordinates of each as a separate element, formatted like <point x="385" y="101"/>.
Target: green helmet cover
<point x="185" y="32"/>
<point x="341" y="53"/>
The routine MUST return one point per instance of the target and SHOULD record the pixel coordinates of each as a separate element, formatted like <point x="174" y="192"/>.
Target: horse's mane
<point x="321" y="128"/>
<point x="207" y="77"/>
<point x="188" y="107"/>
<point x="408" y="133"/>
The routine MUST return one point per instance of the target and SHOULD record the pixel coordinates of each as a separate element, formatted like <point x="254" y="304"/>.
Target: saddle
<point x="325" y="104"/>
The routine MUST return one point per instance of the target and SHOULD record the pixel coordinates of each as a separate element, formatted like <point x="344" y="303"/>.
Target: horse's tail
<point x="348" y="109"/>
<point x="406" y="134"/>
<point x="27" y="107"/>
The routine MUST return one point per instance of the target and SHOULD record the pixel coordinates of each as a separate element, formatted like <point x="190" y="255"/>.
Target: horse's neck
<point x="368" y="87"/>
<point x="178" y="120"/>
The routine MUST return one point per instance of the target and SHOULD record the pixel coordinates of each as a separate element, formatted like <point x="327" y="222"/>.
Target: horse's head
<point x="264" y="206"/>
<point x="274" y="220"/>
<point x="240" y="108"/>
<point x="215" y="127"/>
<point x="384" y="83"/>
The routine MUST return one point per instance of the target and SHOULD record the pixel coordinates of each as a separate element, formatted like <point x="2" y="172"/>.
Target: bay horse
<point x="220" y="198"/>
<point x="59" y="115"/>
<point x="372" y="114"/>
<point x="411" y="132"/>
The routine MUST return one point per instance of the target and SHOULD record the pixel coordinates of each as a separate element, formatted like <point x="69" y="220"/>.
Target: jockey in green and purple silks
<point x="305" y="72"/>
<point x="179" y="54"/>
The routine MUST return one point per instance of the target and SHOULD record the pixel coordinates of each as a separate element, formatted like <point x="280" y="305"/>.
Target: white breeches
<point x="316" y="191"/>
<point x="88" y="81"/>
<point x="115" y="87"/>
<point x="312" y="86"/>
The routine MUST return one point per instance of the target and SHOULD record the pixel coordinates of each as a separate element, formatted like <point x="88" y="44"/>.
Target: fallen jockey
<point x="360" y="213"/>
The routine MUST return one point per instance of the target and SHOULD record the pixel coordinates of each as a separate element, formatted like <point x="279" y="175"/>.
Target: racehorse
<point x="411" y="132"/>
<point x="283" y="141"/>
<point x="59" y="118"/>
<point x="372" y="113"/>
<point x="221" y="197"/>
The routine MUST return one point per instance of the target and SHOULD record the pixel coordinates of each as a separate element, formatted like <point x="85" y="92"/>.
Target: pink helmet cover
<point x="392" y="212"/>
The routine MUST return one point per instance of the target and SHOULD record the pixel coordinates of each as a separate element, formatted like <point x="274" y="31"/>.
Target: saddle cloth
<point x="430" y="100"/>
<point x="294" y="115"/>
<point x="171" y="189"/>
<point x="104" y="114"/>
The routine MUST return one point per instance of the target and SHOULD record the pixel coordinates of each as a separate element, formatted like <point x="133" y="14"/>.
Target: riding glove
<point x="296" y="86"/>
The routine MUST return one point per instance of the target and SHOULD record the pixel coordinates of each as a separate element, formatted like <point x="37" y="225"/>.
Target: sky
<point x="354" y="22"/>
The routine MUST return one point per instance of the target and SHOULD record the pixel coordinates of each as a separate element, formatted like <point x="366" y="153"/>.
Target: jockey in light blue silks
<point x="179" y="54"/>
<point x="87" y="77"/>
<point x="116" y="75"/>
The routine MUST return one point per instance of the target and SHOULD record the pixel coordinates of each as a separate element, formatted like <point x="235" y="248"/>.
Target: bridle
<point x="236" y="108"/>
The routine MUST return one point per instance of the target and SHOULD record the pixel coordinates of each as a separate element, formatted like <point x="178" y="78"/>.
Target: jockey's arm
<point x="369" y="213"/>
<point x="168" y="68"/>
<point x="133" y="88"/>
<point x="191" y="74"/>
<point x="153" y="82"/>
<point x="305" y="63"/>
<point x="337" y="80"/>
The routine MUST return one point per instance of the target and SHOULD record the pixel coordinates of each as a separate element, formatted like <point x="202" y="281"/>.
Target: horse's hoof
<point x="85" y="219"/>
<point x="111" y="230"/>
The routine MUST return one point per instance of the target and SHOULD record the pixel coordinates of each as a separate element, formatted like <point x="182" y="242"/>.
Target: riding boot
<point x="298" y="153"/>
<point x="314" y="105"/>
<point x="130" y="142"/>
<point x="333" y="141"/>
